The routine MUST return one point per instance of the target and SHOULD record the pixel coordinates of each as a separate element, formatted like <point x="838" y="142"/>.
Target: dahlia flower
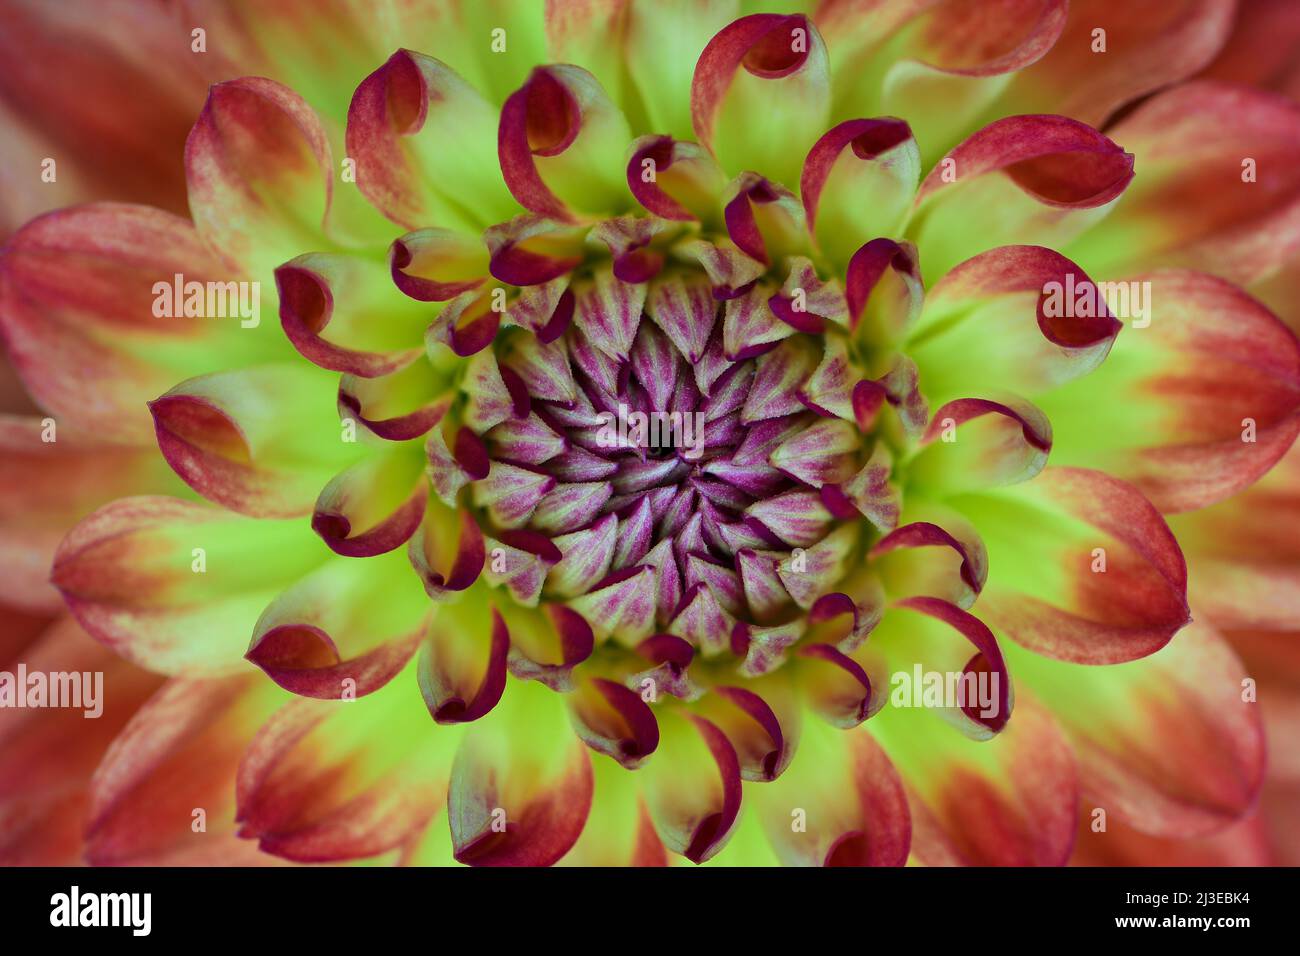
<point x="691" y="431"/>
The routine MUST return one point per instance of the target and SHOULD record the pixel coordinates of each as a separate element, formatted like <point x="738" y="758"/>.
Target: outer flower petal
<point x="343" y="780"/>
<point x="1199" y="399"/>
<point x="1199" y="203"/>
<point x="1262" y="49"/>
<point x="177" y="586"/>
<point x="48" y="484"/>
<point x="1183" y="755"/>
<point x="1244" y="556"/>
<point x="87" y="329"/>
<point x="47" y="756"/>
<point x="1047" y="177"/>
<point x="1010" y="801"/>
<point x="955" y="59"/>
<point x="1143" y="48"/>
<point x="259" y="169"/>
<point x="1050" y="592"/>
<point x="114" y="115"/>
<point x="172" y="762"/>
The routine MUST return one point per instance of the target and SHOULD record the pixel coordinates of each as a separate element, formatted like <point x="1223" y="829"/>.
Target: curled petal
<point x="693" y="788"/>
<point x="258" y="441"/>
<point x="373" y="507"/>
<point x="559" y="138"/>
<point x="449" y="551"/>
<point x="372" y="330"/>
<point x="858" y="181"/>
<point x="521" y="786"/>
<point x="324" y="638"/>
<point x="883" y="290"/>
<point x="762" y="727"/>
<point x="765" y="65"/>
<point x="1043" y="174"/>
<point x="763" y="219"/>
<point x="932" y="573"/>
<point x="1011" y="306"/>
<point x="547" y="643"/>
<point x="674" y="180"/>
<point x="531" y="250"/>
<point x="399" y="406"/>
<point x="462" y="665"/>
<point x="615" y="721"/>
<point x="838" y="687"/>
<point x="434" y="265"/>
<point x="399" y="122"/>
<point x="1005" y="442"/>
